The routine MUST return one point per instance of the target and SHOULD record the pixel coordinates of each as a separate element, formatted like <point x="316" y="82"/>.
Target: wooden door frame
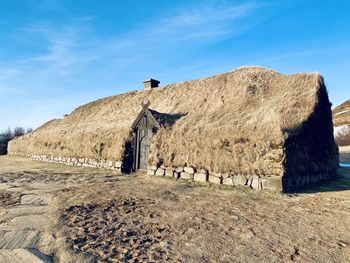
<point x="153" y="123"/>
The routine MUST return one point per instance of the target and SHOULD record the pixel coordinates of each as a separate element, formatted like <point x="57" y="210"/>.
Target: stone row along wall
<point x="74" y="161"/>
<point x="190" y="173"/>
<point x="285" y="183"/>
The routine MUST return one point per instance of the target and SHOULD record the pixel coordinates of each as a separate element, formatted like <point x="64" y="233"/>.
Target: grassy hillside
<point x="341" y="114"/>
<point x="341" y="121"/>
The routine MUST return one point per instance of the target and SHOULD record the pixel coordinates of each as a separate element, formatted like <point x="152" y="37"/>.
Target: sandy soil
<point x="55" y="213"/>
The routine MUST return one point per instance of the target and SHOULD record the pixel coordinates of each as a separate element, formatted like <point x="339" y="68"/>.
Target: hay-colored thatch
<point x="251" y="120"/>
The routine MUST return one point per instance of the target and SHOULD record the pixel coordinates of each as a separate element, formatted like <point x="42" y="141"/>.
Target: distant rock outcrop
<point x="341" y="122"/>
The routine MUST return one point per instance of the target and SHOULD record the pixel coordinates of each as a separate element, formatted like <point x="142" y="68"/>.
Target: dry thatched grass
<point x="237" y="121"/>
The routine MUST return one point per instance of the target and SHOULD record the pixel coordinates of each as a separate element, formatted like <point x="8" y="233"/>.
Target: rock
<point x="169" y="172"/>
<point x="160" y="172"/>
<point x="185" y="175"/>
<point x="272" y="183"/>
<point x="247" y="235"/>
<point x="189" y="170"/>
<point x="118" y="164"/>
<point x="213" y="179"/>
<point x="179" y="169"/>
<point x="255" y="182"/>
<point x="227" y="181"/>
<point x="200" y="177"/>
<point x="239" y="179"/>
<point x="151" y="172"/>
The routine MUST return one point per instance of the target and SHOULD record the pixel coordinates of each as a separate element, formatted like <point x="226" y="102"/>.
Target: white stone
<point x="185" y="175"/>
<point x="151" y="172"/>
<point x="213" y="179"/>
<point x="169" y="172"/>
<point x="272" y="183"/>
<point x="160" y="172"/>
<point x="255" y="182"/>
<point x="189" y="170"/>
<point x="239" y="179"/>
<point x="200" y="177"/>
<point x="227" y="181"/>
<point x="118" y="164"/>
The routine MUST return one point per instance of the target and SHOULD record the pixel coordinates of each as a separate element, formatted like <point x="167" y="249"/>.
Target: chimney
<point x="150" y="83"/>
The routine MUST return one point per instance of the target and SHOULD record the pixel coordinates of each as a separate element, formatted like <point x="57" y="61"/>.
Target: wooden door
<point x="143" y="134"/>
<point x="145" y="146"/>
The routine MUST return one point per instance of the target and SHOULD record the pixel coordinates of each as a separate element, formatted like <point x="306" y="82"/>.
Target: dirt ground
<point x="56" y="213"/>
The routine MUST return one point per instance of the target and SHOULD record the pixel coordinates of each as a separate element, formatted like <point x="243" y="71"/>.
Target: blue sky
<point x="58" y="54"/>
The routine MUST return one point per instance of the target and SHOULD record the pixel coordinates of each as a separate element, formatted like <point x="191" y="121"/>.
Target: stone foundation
<point x="287" y="183"/>
<point x="279" y="183"/>
<point x="74" y="161"/>
<point x="230" y="179"/>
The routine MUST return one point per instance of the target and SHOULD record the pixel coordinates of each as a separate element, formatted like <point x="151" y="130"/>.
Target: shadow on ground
<point x="340" y="183"/>
<point x="344" y="158"/>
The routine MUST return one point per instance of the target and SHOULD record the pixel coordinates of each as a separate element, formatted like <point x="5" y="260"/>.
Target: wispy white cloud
<point x="206" y="22"/>
<point x="77" y="61"/>
<point x="7" y="73"/>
